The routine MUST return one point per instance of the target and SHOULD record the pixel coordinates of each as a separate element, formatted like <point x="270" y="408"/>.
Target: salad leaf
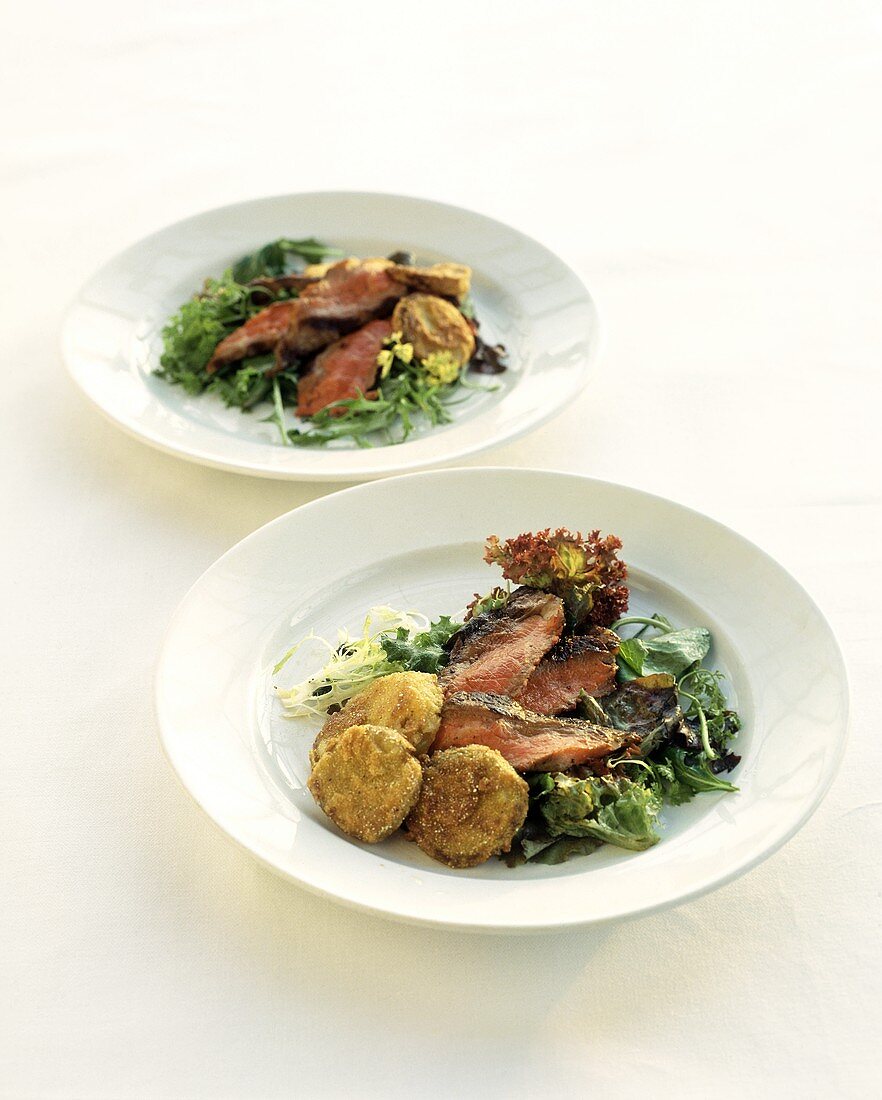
<point x="272" y="259"/>
<point x="191" y="335"/>
<point x="696" y="775"/>
<point x="614" y="810"/>
<point x="701" y="688"/>
<point x="194" y="331"/>
<point x="678" y="778"/>
<point x="585" y="571"/>
<point x="670" y="788"/>
<point x="389" y="641"/>
<point x="562" y="849"/>
<point x="246" y="386"/>
<point x="404" y="401"/>
<point x="672" y="652"/>
<point x="422" y="652"/>
<point x="644" y="703"/>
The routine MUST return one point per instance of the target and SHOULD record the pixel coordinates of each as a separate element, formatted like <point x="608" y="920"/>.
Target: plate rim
<point x="197" y="454"/>
<point x="512" y="927"/>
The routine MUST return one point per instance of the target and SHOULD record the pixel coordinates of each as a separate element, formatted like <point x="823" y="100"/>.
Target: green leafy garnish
<point x="424" y="651"/>
<point x="410" y="394"/>
<point x="404" y="402"/>
<point x="613" y="810"/>
<point x="389" y="641"/>
<point x="672" y="652"/>
<point x="679" y="780"/>
<point x="277" y="416"/>
<point x="352" y="662"/>
<point x="245" y="387"/>
<point x="272" y="259"/>
<point x="554" y="851"/>
<point x="584" y="571"/>
<point x="670" y="788"/>
<point x="698" y="774"/>
<point x="191" y="335"/>
<point x="701" y="688"/>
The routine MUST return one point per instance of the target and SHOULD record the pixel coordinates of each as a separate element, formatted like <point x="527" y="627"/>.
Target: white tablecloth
<point x="714" y="172"/>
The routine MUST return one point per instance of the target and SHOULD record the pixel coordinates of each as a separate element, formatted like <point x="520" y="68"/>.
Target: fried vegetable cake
<point x="434" y="325"/>
<point x="367" y="781"/>
<point x="471" y="805"/>
<point x="409" y="702"/>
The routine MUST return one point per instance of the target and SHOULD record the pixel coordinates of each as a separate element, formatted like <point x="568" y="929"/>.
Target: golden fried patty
<point x="446" y="279"/>
<point x="409" y="702"/>
<point x="367" y="781"/>
<point x="471" y="805"/>
<point x="434" y="325"/>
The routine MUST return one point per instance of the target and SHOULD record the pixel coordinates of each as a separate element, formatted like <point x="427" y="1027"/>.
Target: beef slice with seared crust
<point x="497" y="650"/>
<point x="529" y="742"/>
<point x="351" y="294"/>
<point x="344" y="370"/>
<point x="585" y="662"/>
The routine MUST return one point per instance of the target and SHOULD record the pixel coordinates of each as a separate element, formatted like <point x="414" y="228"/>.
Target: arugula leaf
<point x="403" y="401"/>
<point x="617" y="811"/>
<point x="670" y="787"/>
<point x="423" y="652"/>
<point x="277" y="416"/>
<point x="272" y="259"/>
<point x="701" y="688"/>
<point x="247" y="386"/>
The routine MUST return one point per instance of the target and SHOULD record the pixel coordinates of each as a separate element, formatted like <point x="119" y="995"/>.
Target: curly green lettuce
<point x="613" y="810"/>
<point x="571" y="817"/>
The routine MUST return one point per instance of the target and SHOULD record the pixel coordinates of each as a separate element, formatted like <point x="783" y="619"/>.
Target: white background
<point x="714" y="171"/>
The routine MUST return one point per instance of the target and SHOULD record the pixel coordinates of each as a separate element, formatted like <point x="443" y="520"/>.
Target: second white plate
<point x="416" y="543"/>
<point x="525" y="298"/>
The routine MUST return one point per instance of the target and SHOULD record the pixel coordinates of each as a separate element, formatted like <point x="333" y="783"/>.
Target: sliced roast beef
<point x="497" y="650"/>
<point x="585" y="662"/>
<point x="343" y="370"/>
<point x="352" y="293"/>
<point x="529" y="742"/>
<point x="260" y="334"/>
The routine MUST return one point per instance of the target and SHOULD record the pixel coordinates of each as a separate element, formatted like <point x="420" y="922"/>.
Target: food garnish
<point x="585" y="571"/>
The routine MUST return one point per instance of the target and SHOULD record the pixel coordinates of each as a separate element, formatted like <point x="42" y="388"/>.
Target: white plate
<point x="416" y="542"/>
<point x="525" y="297"/>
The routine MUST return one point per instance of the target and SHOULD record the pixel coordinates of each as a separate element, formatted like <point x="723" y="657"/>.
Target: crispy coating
<point x="409" y="702"/>
<point x="447" y="279"/>
<point x="433" y="325"/>
<point x="471" y="805"/>
<point x="367" y="781"/>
